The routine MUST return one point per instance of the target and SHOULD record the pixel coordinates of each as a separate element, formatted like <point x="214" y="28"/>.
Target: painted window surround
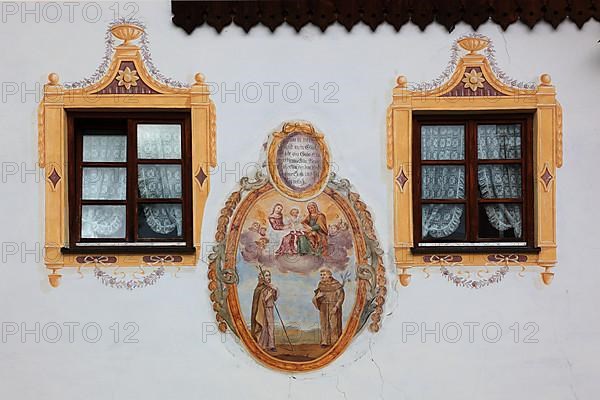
<point x="117" y="90"/>
<point x="459" y="94"/>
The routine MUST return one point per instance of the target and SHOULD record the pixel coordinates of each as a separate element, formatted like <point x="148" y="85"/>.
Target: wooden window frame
<point x="127" y="121"/>
<point x="126" y="86"/>
<point x="473" y="88"/>
<point x="472" y="200"/>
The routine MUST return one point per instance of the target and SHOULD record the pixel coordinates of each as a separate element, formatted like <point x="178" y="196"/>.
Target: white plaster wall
<point x="172" y="359"/>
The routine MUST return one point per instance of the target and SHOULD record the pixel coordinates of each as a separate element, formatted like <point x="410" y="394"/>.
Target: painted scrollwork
<point x="473" y="83"/>
<point x="337" y="238"/>
<point x="126" y="70"/>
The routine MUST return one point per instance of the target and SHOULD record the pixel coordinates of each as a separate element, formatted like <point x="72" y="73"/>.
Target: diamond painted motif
<point x="201" y="176"/>
<point x="402" y="179"/>
<point x="54" y="177"/>
<point x="546" y="177"/>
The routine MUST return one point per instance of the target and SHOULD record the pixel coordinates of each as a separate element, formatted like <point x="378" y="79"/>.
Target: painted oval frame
<point x="369" y="290"/>
<point x="278" y="181"/>
<point x="352" y="326"/>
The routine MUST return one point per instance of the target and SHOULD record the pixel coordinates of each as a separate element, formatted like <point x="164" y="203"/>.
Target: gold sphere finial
<point x="53" y="78"/>
<point x="401" y="81"/>
<point x="545" y="79"/>
<point x="199" y="78"/>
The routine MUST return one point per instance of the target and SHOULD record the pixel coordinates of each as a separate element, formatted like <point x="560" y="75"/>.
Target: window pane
<point x="103" y="222"/>
<point x="157" y="181"/>
<point x="496" y="142"/>
<point x="104" y="183"/>
<point x="500" y="221"/>
<point x="443" y="182"/>
<point x="443" y="221"/>
<point x="157" y="221"/>
<point x="499" y="181"/>
<point x="443" y="142"/>
<point x="104" y="148"/>
<point x="159" y="141"/>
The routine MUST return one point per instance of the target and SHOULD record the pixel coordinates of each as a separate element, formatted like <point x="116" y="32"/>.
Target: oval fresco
<point x="298" y="161"/>
<point x="296" y="279"/>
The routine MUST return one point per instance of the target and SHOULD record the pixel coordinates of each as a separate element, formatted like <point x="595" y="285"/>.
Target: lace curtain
<point x="161" y="182"/>
<point x="105" y="148"/>
<point x="442" y="142"/>
<point x="110" y="183"/>
<point x="441" y="220"/>
<point x="500" y="181"/>
<point x="159" y="141"/>
<point x="103" y="221"/>
<point x="104" y="183"/>
<point x="496" y="142"/>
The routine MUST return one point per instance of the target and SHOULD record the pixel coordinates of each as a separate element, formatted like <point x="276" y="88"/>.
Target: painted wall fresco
<point x="297" y="271"/>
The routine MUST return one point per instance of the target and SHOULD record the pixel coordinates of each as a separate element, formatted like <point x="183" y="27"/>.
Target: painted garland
<point x="129" y="284"/>
<point x="219" y="277"/>
<point x="496" y="277"/>
<point x="489" y="52"/>
<point x="109" y="280"/>
<point x="144" y="44"/>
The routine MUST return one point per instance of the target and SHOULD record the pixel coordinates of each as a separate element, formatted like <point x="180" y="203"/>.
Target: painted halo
<point x="297" y="270"/>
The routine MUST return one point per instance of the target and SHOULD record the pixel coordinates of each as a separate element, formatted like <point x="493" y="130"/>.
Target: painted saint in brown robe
<point x="262" y="322"/>
<point x="328" y="299"/>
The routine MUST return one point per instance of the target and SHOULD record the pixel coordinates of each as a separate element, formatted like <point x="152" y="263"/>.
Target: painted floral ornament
<point x="127" y="78"/>
<point x="296" y="271"/>
<point x="473" y="80"/>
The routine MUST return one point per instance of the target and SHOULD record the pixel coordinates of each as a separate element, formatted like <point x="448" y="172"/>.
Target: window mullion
<point x="131" y="180"/>
<point x="472" y="214"/>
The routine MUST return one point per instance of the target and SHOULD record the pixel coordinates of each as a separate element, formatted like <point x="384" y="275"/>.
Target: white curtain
<point x="496" y="142"/>
<point x="159" y="141"/>
<point x="104" y="183"/>
<point x="442" y="142"/>
<point x="161" y="182"/>
<point x="105" y="148"/>
<point x="164" y="218"/>
<point x="440" y="220"/>
<point x="102" y="222"/>
<point x="500" y="181"/>
<point x="443" y="182"/>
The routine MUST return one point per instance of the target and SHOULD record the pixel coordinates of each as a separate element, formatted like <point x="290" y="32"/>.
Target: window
<point x="473" y="180"/>
<point x="122" y="186"/>
<point x="131" y="180"/>
<point x="474" y="158"/>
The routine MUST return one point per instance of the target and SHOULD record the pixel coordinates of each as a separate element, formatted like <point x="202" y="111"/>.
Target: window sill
<point x="116" y="250"/>
<point x="474" y="250"/>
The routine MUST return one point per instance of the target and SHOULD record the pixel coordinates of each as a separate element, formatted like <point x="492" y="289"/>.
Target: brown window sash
<point x="472" y="200"/>
<point x="125" y="123"/>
